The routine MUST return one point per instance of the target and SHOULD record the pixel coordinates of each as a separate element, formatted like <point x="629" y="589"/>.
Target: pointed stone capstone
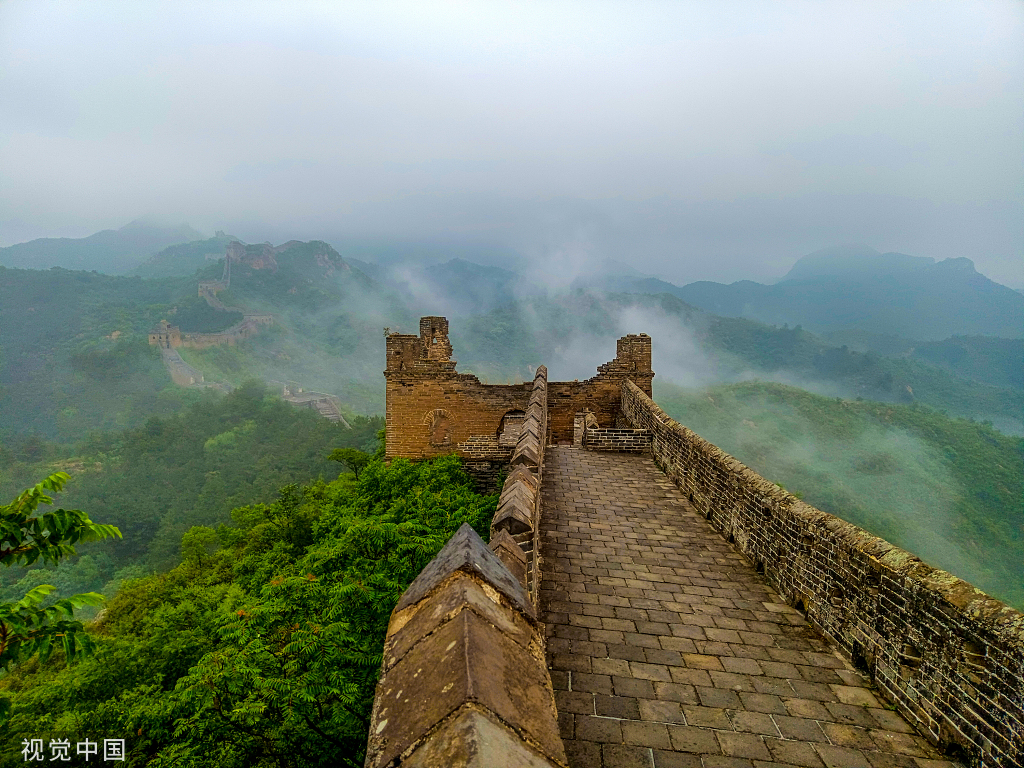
<point x="466" y="551"/>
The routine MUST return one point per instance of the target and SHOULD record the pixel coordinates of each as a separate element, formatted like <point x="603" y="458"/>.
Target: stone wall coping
<point x="466" y="551"/>
<point x="515" y="511"/>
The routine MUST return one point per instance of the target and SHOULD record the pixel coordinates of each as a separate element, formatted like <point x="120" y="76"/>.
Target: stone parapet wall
<point x="464" y="680"/>
<point x="948" y="656"/>
<point x="182" y="374"/>
<point x="470" y="618"/>
<point x="518" y="511"/>
<point x="623" y="440"/>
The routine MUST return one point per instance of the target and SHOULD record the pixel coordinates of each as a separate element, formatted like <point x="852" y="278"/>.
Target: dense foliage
<point x="185" y="258"/>
<point x="194" y="315"/>
<point x="262" y="647"/>
<point x="900" y="379"/>
<point x="28" y="535"/>
<point x="219" y="453"/>
<point x="949" y="490"/>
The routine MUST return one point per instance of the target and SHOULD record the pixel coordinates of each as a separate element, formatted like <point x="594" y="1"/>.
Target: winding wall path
<point x="667" y="649"/>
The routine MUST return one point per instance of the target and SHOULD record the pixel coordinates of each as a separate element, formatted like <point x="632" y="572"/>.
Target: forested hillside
<point x="112" y="251"/>
<point x="948" y="490"/>
<point x="262" y="646"/>
<point x="184" y="259"/>
<point x="157" y="481"/>
<point x="74" y="355"/>
<point x="857" y="287"/>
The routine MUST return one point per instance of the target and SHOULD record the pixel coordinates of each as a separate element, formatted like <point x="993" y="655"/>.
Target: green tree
<point x="26" y="537"/>
<point x="352" y="458"/>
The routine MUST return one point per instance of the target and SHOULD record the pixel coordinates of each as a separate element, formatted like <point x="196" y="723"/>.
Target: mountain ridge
<point x="110" y="251"/>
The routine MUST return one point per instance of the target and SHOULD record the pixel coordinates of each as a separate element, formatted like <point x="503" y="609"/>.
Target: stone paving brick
<point x="661" y="711"/>
<point x="807" y="708"/>
<point x="716" y="697"/>
<point x="754" y="722"/>
<point x="684" y="694"/>
<point x="848" y="736"/>
<point x="840" y="757"/>
<point x="731" y="681"/>
<point x="726" y="762"/>
<point x="582" y="753"/>
<point x="628" y="652"/>
<point x="575" y="702"/>
<point x="623" y="756"/>
<point x="646" y="734"/>
<point x="794" y="753"/>
<point x="667" y="759"/>
<point x="763" y="702"/>
<point x="566" y="725"/>
<point x="707" y="717"/>
<point x="850" y="715"/>
<point x="886" y="760"/>
<point x="668" y="650"/>
<point x="800" y="729"/>
<point x="692" y="739"/>
<point x="599" y="729"/>
<point x="743" y="745"/>
<point x="857" y="696"/>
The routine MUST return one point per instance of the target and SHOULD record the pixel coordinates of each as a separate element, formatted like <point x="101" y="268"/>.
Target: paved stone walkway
<point x="667" y="649"/>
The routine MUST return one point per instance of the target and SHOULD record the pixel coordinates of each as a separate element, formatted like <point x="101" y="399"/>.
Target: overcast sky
<point x="692" y="140"/>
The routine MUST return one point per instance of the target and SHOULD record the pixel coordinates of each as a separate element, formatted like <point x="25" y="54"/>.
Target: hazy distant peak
<point x="851" y="261"/>
<point x="961" y="264"/>
<point x="613" y="268"/>
<point x="113" y="251"/>
<point x="153" y="223"/>
<point x="458" y="266"/>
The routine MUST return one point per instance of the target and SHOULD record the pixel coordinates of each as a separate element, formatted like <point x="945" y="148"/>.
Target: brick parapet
<point x="518" y="511"/>
<point x="622" y="440"/>
<point x="948" y="656"/>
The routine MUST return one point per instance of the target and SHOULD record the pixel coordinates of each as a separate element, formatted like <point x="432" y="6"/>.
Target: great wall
<point x="647" y="600"/>
<point x="169" y="338"/>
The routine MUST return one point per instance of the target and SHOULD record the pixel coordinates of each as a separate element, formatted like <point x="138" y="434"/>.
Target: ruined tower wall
<point x="950" y="657"/>
<point x="430" y="415"/>
<point x="431" y="409"/>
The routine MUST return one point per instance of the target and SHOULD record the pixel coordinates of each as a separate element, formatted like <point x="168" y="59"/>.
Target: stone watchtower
<point x="431" y="409"/>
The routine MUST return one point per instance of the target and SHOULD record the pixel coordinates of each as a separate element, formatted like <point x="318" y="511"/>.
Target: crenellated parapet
<point x="464" y="680"/>
<point x="518" y="511"/>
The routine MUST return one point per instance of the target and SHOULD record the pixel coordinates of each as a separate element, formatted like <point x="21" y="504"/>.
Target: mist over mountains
<point x="112" y="251"/>
<point x="858" y="288"/>
<point x="57" y="330"/>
